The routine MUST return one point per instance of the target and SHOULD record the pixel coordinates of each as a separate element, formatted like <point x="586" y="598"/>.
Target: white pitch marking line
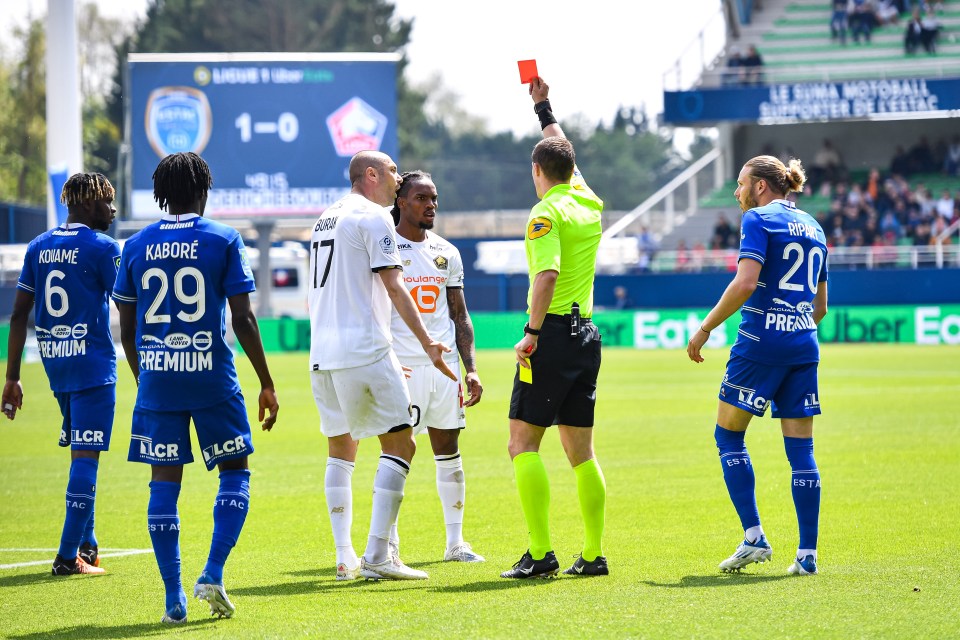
<point x="115" y="554"/>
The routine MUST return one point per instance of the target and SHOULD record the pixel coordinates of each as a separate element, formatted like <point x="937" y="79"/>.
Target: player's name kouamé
<point x="164" y="250"/>
<point x="48" y="256"/>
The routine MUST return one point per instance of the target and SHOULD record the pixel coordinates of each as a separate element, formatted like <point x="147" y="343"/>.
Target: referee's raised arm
<point x="539" y="91"/>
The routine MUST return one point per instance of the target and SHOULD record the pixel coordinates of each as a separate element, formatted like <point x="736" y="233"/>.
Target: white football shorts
<point x="437" y="400"/>
<point x="363" y="401"/>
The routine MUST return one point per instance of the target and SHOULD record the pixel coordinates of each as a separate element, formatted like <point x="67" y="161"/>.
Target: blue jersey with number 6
<point x="777" y="321"/>
<point x="179" y="272"/>
<point x="70" y="272"/>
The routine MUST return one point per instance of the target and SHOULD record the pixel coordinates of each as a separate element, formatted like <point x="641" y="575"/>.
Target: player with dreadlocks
<point x="67" y="276"/>
<point x="176" y="278"/>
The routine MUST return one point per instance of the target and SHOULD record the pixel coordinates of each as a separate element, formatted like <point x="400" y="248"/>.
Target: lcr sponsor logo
<point x="750" y="398"/>
<point x="220" y="449"/>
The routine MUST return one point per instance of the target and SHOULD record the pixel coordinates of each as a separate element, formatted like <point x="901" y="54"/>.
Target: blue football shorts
<point x="791" y="390"/>
<point x="163" y="437"/>
<point x="87" y="417"/>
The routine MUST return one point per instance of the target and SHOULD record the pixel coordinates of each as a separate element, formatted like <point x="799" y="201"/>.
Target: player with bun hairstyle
<point x="781" y="289"/>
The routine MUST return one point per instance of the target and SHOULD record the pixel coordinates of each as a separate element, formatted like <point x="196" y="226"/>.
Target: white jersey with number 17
<point x="429" y="269"/>
<point x="349" y="306"/>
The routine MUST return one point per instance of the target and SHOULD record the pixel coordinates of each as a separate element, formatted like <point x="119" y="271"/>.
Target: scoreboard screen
<point x="277" y="129"/>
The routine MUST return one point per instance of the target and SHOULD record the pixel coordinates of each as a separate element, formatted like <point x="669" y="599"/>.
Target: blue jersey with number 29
<point x="180" y="272"/>
<point x="777" y="321"/>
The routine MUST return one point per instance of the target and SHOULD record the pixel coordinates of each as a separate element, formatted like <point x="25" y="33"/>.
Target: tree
<point x="23" y="130"/>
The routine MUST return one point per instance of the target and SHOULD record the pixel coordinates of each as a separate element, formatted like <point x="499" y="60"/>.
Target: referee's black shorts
<point x="565" y="368"/>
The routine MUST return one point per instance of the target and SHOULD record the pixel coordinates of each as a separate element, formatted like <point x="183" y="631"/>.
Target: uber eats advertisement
<point x="672" y="328"/>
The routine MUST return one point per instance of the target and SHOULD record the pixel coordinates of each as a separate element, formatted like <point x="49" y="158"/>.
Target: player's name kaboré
<point x="165" y="250"/>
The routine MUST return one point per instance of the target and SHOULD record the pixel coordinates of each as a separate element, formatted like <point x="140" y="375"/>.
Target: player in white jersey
<point x="433" y="273"/>
<point x="358" y="383"/>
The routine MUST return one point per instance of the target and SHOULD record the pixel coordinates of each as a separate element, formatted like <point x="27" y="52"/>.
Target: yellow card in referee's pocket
<point x="526" y="375"/>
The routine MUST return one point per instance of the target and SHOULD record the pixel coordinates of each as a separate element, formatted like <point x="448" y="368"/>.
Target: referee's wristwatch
<point x="530" y="330"/>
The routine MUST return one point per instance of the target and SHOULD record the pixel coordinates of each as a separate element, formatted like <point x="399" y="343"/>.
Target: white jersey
<point x="429" y="269"/>
<point x="349" y="306"/>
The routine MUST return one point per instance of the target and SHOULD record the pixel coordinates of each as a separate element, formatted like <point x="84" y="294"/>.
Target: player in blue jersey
<point x="176" y="278"/>
<point x="67" y="276"/>
<point x="781" y="285"/>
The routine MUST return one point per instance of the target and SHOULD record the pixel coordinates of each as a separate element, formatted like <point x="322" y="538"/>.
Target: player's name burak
<point x="164" y="250"/>
<point x="175" y="361"/>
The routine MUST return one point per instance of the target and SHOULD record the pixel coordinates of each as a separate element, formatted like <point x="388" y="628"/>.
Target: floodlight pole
<point x="64" y="124"/>
<point x="264" y="272"/>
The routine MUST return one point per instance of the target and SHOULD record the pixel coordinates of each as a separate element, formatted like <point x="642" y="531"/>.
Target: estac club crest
<point x="178" y="119"/>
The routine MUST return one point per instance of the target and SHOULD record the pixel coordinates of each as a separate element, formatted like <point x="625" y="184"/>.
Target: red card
<point x="528" y="71"/>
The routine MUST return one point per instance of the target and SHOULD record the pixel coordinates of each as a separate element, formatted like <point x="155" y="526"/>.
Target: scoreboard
<point x="277" y="129"/>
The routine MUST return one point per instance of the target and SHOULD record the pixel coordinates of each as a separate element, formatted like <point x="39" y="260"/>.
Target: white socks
<point x="339" y="494"/>
<point x="387" y="496"/>
<point x="451" y="488"/>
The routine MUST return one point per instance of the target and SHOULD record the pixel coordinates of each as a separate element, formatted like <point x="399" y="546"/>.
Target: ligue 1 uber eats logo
<point x="178" y="119"/>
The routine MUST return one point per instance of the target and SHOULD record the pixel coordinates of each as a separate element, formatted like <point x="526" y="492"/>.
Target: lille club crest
<point x="356" y="126"/>
<point x="178" y="119"/>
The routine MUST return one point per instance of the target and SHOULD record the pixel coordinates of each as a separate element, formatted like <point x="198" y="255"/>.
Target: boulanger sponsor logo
<point x="178" y="119"/>
<point x="538" y="228"/>
<point x="356" y="126"/>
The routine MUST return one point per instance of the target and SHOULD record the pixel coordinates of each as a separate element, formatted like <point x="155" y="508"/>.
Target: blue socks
<point x="806" y="488"/>
<point x="738" y="475"/>
<point x="163" y="522"/>
<point x="81" y="494"/>
<point x="89" y="537"/>
<point x="229" y="513"/>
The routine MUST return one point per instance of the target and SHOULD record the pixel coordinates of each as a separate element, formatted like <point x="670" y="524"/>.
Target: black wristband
<point x="528" y="329"/>
<point x="545" y="113"/>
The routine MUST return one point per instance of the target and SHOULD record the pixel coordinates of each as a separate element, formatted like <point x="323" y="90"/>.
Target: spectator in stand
<point x="697" y="257"/>
<point x="900" y="164"/>
<point x="861" y="20"/>
<point x="723" y="234"/>
<point x="945" y="206"/>
<point x="872" y="187"/>
<point x="838" y="22"/>
<point x="648" y="247"/>
<point x="683" y="256"/>
<point x="922" y="236"/>
<point x="734" y="69"/>
<point x="930" y="29"/>
<point x="890" y="224"/>
<point x="827" y="165"/>
<point x="939" y="226"/>
<point x="886" y="12"/>
<point x="752" y="66"/>
<point x="951" y="160"/>
<point x="921" y="157"/>
<point x="621" y="298"/>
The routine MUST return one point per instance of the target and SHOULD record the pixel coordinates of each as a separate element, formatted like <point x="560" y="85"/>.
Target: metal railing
<point x="698" y="55"/>
<point x="939" y="255"/>
<point x="665" y="194"/>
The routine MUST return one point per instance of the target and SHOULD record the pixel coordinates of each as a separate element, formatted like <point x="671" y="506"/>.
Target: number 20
<point x="812" y="271"/>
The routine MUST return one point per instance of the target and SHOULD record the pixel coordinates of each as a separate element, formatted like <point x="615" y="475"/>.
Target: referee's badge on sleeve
<point x="538" y="228"/>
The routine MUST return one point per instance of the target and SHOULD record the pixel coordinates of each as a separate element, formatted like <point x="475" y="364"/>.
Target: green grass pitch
<point x="888" y="447"/>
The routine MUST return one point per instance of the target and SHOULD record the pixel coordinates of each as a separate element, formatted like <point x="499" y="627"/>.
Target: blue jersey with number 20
<point x="777" y="321"/>
<point x="180" y="272"/>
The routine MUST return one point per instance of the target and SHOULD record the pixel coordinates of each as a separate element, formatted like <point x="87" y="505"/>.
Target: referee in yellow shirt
<point x="559" y="355"/>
